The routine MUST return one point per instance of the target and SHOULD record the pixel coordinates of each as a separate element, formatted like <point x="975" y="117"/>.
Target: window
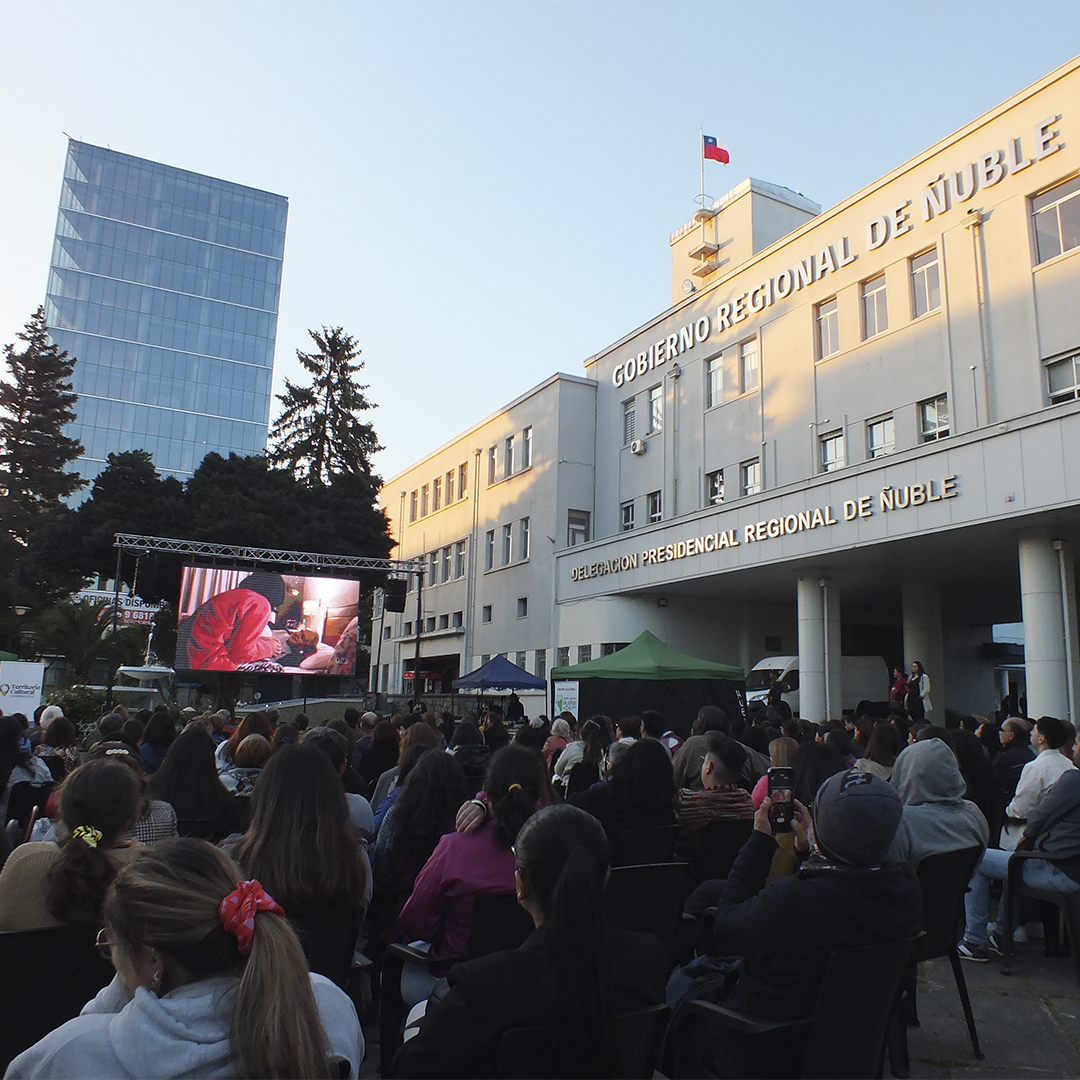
<point x="508" y="457"/>
<point x="832" y="451"/>
<point x="656" y="409"/>
<point x="492" y="460"/>
<point x="609" y="648"/>
<point x="462" y="479"/>
<point x="715" y="492"/>
<point x="584" y="654"/>
<point x="444" y="622"/>
<point x="748" y="366"/>
<point x="387" y="633"/>
<point x="577" y="527"/>
<point x="880" y="439"/>
<point x="1056" y="214"/>
<point x="629" y="422"/>
<point x="750" y="477"/>
<point x="484" y="658"/>
<point x="430" y="627"/>
<point x="449" y="487"/>
<point x="459" y="559"/>
<point x="507" y="544"/>
<point x="522" y="607"/>
<point x="1063" y="379"/>
<point x="562" y="657"/>
<point x="520" y="660"/>
<point x="413" y="500"/>
<point x="526" y="448"/>
<point x="540" y="664"/>
<point x="385" y="677"/>
<point x="714" y="381"/>
<point x="457" y="618"/>
<point x="433" y="568"/>
<point x="436" y="493"/>
<point x="654" y="503"/>
<point x="485" y="613"/>
<point x="934" y="419"/>
<point x="925" y="282"/>
<point x="424" y="496"/>
<point x="489" y="550"/>
<point x="627" y="515"/>
<point x="874" y="307"/>
<point x="523" y="538"/>
<point x="828" y="328"/>
<point x="447" y="554"/>
<point x="407" y="632"/>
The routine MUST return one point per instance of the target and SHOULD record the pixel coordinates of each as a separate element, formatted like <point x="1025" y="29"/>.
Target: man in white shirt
<point x="1047" y="738"/>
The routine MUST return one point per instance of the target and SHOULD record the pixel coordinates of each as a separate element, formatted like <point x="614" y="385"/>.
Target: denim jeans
<point x="1038" y="873"/>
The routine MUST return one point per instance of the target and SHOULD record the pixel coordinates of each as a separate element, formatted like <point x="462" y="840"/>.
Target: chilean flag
<point x="713" y="150"/>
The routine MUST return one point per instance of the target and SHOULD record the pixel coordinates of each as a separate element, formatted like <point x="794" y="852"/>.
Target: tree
<point x="77" y="631"/>
<point x="319" y="435"/>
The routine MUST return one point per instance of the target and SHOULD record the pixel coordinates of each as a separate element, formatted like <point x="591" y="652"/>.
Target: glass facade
<point x="164" y="286"/>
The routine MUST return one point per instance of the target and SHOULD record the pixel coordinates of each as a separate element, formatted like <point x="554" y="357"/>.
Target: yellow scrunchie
<point x="87" y="834"/>
<point x="513" y="787"/>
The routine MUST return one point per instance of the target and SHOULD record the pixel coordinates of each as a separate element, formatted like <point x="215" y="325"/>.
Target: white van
<point x="861" y="678"/>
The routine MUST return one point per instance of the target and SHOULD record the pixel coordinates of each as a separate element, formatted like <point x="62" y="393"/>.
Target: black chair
<point x="529" y="1053"/>
<point x="328" y="938"/>
<point x="944" y="881"/>
<point x="718" y="846"/>
<point x="1067" y="903"/>
<point x="499" y="922"/>
<point x="844" y="1038"/>
<point x="22" y="801"/>
<point x="648" y="899"/>
<point x="56" y="766"/>
<point x="653" y="844"/>
<point x="58" y="971"/>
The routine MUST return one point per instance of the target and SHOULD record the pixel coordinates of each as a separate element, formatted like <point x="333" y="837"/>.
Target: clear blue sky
<point x="482" y="193"/>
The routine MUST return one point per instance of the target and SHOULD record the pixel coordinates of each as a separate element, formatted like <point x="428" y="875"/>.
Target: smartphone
<point x="782" y="794"/>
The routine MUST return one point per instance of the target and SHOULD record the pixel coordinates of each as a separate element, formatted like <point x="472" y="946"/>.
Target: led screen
<point x="258" y="620"/>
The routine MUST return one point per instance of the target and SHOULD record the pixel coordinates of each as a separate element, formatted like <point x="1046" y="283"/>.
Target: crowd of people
<point x="205" y="849"/>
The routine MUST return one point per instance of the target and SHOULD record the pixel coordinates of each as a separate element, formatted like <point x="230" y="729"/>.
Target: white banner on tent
<point x="20" y="686"/>
<point x="566" y="697"/>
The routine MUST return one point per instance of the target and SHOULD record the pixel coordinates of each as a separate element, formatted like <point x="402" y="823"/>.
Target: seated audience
<point x="879" y="755"/>
<point x="156" y="739"/>
<point x="629" y="727"/>
<point x="534" y="733"/>
<point x="687" y="762"/>
<point x="1047" y="738"/>
<point x="156" y="819"/>
<point x="335" y="746"/>
<point x="656" y="727"/>
<point x="49" y="884"/>
<point x="255" y="723"/>
<point x="286" y="735"/>
<point x="210" y="981"/>
<point x="109" y="727"/>
<point x="556" y="742"/>
<point x="572" y="977"/>
<point x="17" y="764"/>
<point x="58" y="747"/>
<point x="721" y="798"/>
<point x="242" y="774"/>
<point x="413" y="753"/>
<point x="469" y="749"/>
<point x="415" y="734"/>
<point x="496" y="735"/>
<point x="1015" y="753"/>
<point x="781" y="754"/>
<point x="581" y="764"/>
<point x="813" y="763"/>
<point x="381" y="755"/>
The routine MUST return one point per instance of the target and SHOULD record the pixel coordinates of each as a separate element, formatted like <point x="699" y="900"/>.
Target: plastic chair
<point x="944" y="881"/>
<point x="720" y="843"/>
<point x="649" y="899"/>
<point x="328" y="938"/>
<point x="59" y="971"/>
<point x="844" y="1038"/>
<point x="499" y="922"/>
<point x="24" y="798"/>
<point x="635" y="847"/>
<point x="528" y="1053"/>
<point x="1067" y="903"/>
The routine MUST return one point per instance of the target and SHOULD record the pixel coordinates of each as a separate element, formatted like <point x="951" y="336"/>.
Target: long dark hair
<point x="188" y="778"/>
<point x="300" y="843"/>
<point x="643" y="778"/>
<point x="562" y="854"/>
<point x="514" y="782"/>
<point x="11" y="752"/>
<point x="594" y="735"/>
<point x="427" y="806"/>
<point x="159" y="731"/>
<point x="813" y="764"/>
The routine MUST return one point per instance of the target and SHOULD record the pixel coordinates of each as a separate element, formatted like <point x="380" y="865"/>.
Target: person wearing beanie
<point x="846" y="895"/>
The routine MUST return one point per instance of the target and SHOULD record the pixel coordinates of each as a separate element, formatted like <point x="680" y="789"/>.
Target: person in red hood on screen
<point x="230" y="629"/>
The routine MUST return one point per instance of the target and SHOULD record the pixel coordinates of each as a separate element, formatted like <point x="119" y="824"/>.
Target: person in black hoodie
<point x="846" y="895"/>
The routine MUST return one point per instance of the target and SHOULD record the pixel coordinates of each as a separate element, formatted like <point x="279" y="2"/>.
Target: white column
<point x="923" y="640"/>
<point x="1048" y="623"/>
<point x="811" y="647"/>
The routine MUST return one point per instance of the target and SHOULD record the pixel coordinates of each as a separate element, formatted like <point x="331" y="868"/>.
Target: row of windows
<point x="584" y="653"/>
<point x="147" y="424"/>
<point x="439" y="493"/>
<point x="506" y="544"/>
<point x="517" y="454"/>
<point x="933" y="419"/>
<point x="655" y="414"/>
<point x="522" y="606"/>
<point x="520" y="657"/>
<point x="451" y="621"/>
<point x="447" y="564"/>
<point x="170" y="455"/>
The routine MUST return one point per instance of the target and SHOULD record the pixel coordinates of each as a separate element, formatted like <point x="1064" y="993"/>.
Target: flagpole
<point x="701" y="154"/>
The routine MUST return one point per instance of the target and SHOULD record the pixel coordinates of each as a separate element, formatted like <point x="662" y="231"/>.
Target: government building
<point x="164" y="285"/>
<point x="854" y="432"/>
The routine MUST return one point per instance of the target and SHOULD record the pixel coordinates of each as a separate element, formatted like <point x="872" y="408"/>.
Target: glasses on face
<point x="103" y="945"/>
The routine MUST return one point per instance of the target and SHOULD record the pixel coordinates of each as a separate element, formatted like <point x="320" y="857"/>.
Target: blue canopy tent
<point x="499" y="674"/>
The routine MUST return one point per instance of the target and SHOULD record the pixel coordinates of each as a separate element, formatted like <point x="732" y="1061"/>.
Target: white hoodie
<point x="183" y="1033"/>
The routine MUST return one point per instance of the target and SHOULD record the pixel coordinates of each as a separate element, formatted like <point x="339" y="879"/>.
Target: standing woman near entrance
<point x="918" y="694"/>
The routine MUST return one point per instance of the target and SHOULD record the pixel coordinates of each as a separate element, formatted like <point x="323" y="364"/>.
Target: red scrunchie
<point x="237" y="912"/>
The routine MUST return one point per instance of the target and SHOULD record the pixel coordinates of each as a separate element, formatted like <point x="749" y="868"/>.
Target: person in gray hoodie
<point x="936" y="817"/>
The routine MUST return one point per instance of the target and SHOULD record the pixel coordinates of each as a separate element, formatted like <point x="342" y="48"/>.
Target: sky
<point x="482" y="193"/>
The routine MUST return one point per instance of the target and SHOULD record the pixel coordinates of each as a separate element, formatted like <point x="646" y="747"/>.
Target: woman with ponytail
<point x="210" y="981"/>
<point x="573" y="976"/>
<point x="52" y="884"/>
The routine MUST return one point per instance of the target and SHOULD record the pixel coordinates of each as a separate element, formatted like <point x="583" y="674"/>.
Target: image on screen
<point x="259" y="620"/>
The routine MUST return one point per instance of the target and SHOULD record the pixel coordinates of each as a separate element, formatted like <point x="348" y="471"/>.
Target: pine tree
<point x="35" y="405"/>
<point x="319" y="436"/>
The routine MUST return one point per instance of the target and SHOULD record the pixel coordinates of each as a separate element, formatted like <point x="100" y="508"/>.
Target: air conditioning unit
<point x="637" y="447"/>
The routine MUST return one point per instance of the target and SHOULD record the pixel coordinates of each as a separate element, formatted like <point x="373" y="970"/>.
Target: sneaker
<point x="979" y="953"/>
<point x="1020" y="935"/>
<point x="993" y="943"/>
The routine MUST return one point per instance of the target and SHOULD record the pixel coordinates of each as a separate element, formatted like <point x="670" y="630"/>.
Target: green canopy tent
<point x="648" y="674"/>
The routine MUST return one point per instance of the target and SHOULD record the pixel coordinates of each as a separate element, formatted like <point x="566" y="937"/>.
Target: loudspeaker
<point x="394" y="594"/>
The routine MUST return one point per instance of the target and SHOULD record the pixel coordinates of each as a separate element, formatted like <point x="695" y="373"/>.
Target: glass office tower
<point x="164" y="285"/>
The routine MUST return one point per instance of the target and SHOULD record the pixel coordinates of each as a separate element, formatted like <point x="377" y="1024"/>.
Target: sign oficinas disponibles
<point x="889" y="500"/>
